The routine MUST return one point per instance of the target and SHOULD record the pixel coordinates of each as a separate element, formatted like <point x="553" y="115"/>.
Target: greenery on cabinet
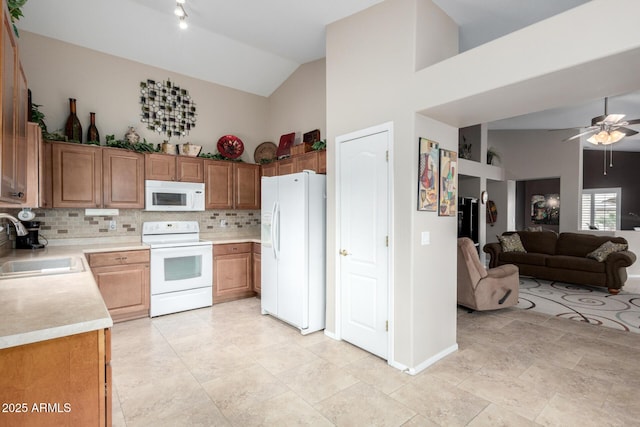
<point x="37" y="116"/>
<point x="140" y="147"/>
<point x="15" y="11"/>
<point x="319" y="145"/>
<point x="218" y="156"/>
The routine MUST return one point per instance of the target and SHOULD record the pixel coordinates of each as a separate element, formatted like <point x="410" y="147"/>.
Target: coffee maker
<point x="30" y="241"/>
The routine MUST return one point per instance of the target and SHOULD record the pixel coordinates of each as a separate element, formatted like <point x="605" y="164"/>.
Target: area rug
<point x="590" y="304"/>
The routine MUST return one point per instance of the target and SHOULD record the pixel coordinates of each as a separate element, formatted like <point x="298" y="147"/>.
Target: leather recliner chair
<point x="482" y="289"/>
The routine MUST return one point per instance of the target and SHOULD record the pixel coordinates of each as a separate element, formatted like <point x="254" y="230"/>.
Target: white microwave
<point x="173" y="196"/>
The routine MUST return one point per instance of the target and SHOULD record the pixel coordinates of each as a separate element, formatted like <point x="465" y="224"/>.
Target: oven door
<point x="181" y="268"/>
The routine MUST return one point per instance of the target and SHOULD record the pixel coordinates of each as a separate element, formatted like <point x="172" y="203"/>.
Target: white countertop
<point x="40" y="308"/>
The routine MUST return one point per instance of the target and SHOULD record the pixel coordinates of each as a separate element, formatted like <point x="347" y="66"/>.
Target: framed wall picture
<point x="428" y="175"/>
<point x="448" y="201"/>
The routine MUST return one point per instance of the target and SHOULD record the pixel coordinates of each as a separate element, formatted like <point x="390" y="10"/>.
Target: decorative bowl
<point x="190" y="149"/>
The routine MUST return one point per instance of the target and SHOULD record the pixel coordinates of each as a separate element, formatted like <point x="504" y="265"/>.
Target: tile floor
<point x="231" y="366"/>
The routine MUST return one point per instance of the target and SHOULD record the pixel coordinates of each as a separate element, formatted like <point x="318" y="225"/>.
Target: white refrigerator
<point x="293" y="239"/>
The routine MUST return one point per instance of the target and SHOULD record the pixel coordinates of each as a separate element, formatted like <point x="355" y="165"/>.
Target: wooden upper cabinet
<point x="286" y="166"/>
<point x="308" y="161"/>
<point x="14" y="120"/>
<point x="232" y="185"/>
<point x="269" y="169"/>
<point x="218" y="184"/>
<point x="160" y="167"/>
<point x="247" y="186"/>
<point x="189" y="169"/>
<point x="77" y="175"/>
<point x="123" y="179"/>
<point x="322" y="161"/>
<point x="168" y="167"/>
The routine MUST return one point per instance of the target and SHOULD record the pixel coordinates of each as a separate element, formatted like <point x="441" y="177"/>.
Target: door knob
<point x="344" y="252"/>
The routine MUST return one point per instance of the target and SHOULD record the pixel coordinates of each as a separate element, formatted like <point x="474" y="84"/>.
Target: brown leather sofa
<point x="563" y="258"/>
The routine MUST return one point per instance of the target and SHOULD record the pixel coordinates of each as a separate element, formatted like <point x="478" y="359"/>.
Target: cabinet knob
<point x="344" y="252"/>
<point x="18" y="194"/>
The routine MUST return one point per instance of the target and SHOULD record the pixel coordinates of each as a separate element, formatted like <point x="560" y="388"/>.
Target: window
<point x="601" y="209"/>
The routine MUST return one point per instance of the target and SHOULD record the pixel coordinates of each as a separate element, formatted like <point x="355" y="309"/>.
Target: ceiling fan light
<point x="592" y="139"/>
<point x="183" y="23"/>
<point x="616" y="136"/>
<point x="180" y="1"/>
<point x="179" y="11"/>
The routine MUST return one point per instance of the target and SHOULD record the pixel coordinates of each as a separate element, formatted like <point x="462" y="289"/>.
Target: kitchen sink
<point x="41" y="267"/>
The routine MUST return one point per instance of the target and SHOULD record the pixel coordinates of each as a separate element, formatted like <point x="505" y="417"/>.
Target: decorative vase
<point x="92" y="132"/>
<point x="132" y="136"/>
<point x="73" y="128"/>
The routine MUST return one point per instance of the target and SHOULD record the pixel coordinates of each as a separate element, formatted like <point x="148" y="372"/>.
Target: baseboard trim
<point x="331" y="335"/>
<point x="430" y="361"/>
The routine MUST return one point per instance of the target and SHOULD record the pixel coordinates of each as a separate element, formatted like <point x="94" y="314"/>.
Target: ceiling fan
<point x="608" y="128"/>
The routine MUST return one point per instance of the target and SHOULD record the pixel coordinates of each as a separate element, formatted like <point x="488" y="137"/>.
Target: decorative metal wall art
<point x="167" y="108"/>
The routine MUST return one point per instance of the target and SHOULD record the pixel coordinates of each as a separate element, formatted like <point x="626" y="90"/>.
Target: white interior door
<point x="364" y="225"/>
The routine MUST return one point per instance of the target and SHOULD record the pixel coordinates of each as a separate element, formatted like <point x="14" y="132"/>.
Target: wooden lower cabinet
<point x="123" y="280"/>
<point x="232" y="272"/>
<point x="59" y="382"/>
<point x="257" y="271"/>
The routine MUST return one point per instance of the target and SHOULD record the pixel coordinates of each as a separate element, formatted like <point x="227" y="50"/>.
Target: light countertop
<point x="40" y="308"/>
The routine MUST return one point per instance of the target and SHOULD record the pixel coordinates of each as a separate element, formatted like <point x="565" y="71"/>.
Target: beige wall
<point x="109" y="86"/>
<point x="542" y="154"/>
<point x="370" y="81"/>
<point x="300" y="104"/>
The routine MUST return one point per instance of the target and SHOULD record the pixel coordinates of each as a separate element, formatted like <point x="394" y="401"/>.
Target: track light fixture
<point x="181" y="14"/>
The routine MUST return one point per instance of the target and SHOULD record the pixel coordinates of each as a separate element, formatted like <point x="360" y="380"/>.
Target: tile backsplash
<point x="73" y="223"/>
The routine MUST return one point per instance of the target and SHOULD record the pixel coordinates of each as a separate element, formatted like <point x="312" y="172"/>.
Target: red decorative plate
<point x="230" y="146"/>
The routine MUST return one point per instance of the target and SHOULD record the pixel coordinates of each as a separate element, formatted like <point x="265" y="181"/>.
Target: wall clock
<point x="167" y="108"/>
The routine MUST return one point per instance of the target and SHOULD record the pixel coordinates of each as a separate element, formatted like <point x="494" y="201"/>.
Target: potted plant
<point x="492" y="155"/>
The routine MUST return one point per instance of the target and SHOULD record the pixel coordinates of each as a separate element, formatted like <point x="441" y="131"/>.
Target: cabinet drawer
<point x="231" y="248"/>
<point x="114" y="258"/>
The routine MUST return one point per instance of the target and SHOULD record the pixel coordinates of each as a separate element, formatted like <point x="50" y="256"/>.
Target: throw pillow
<point x="606" y="249"/>
<point x="511" y="243"/>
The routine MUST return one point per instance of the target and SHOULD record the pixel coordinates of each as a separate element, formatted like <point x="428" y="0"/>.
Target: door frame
<point x="384" y="127"/>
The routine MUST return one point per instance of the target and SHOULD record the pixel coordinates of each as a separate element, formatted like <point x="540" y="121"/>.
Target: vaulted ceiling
<point x="254" y="46"/>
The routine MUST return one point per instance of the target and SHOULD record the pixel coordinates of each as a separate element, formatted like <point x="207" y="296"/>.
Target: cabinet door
<point x="231" y="277"/>
<point x="46" y="174"/>
<point x="286" y="166"/>
<point x="322" y="161"/>
<point x="270" y="169"/>
<point x="123" y="181"/>
<point x="218" y="184"/>
<point x="125" y="290"/>
<point x="257" y="270"/>
<point x="77" y="175"/>
<point x="308" y="161"/>
<point x="160" y="167"/>
<point x="8" y="164"/>
<point x="190" y="169"/>
<point x="21" y="112"/>
<point x="247" y="186"/>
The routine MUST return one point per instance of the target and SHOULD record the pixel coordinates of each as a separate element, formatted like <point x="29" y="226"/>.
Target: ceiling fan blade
<point x="614" y="118"/>
<point x="627" y="131"/>
<point x="578" y="135"/>
<point x="597" y="120"/>
<point x="633" y="122"/>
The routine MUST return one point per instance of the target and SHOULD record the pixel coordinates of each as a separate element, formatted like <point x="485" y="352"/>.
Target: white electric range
<point x="181" y="266"/>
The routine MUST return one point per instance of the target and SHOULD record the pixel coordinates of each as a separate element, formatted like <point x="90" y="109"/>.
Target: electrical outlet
<point x="223" y="223"/>
<point x="112" y="225"/>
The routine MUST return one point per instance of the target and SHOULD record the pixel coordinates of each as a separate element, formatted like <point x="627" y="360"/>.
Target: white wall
<point x="370" y="80"/>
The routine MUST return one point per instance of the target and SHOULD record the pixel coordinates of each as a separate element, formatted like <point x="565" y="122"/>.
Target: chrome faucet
<point x="20" y="230"/>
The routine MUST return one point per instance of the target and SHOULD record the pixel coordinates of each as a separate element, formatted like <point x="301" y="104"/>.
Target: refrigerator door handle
<point x="277" y="245"/>
<point x="275" y="233"/>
